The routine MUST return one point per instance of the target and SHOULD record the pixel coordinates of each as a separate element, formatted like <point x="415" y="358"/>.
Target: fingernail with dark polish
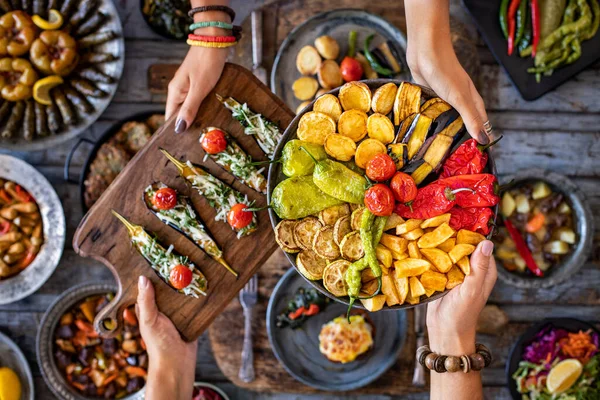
<point x="483" y="138"/>
<point x="487" y="247"/>
<point x="180" y="126"/>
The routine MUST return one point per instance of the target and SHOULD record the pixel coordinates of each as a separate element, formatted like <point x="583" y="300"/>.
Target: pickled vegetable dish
<point x="97" y="367"/>
<point x="21" y="230"/>
<point x="304" y="304"/>
<point x="538" y="229"/>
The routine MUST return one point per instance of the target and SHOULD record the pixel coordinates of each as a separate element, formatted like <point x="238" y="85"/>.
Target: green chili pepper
<point x="338" y="181"/>
<point x="351" y="44"/>
<point x="570" y="10"/>
<point x="595" y="23"/>
<point x="521" y="21"/>
<point x="527" y="30"/>
<point x="578" y="26"/>
<point x="503" y="16"/>
<point x="373" y="61"/>
<point x="295" y="162"/>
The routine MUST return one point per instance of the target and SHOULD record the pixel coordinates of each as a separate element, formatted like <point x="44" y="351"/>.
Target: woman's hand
<point x="171" y="361"/>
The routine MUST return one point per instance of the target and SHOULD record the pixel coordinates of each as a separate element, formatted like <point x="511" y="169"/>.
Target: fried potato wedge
<point x="429" y="292"/>
<point x="330" y="105"/>
<point x="308" y="60"/>
<point x="414" y="234"/>
<point x="302" y="106"/>
<point x="284" y="236"/>
<point x="356" y="217"/>
<point x="311" y="265"/>
<point x="465" y="265"/>
<point x="366" y="150"/>
<point x="384" y="255"/>
<point x="399" y="256"/>
<point x="392" y="222"/>
<point x="340" y="147"/>
<point x="327" y="47"/>
<point x="367" y="275"/>
<point x="351" y="247"/>
<point x="388" y="288"/>
<point x="402" y="287"/>
<point x="461" y="250"/>
<point x="455" y="277"/>
<point x="330" y="215"/>
<point x="407" y="102"/>
<point x="434" y="281"/>
<point x="434" y="222"/>
<point x="394" y="243"/>
<point x="315" y="126"/>
<point x="334" y="278"/>
<point x="383" y="98"/>
<point x="416" y="287"/>
<point x="355" y="96"/>
<point x="413" y="250"/>
<point x="409" y="225"/>
<point x="438" y="236"/>
<point x="465" y="236"/>
<point x="341" y="228"/>
<point x="380" y="127"/>
<point x="305" y="87"/>
<point x="305" y="231"/>
<point x="411" y="267"/>
<point x="375" y="303"/>
<point x="412" y="300"/>
<point x="447" y="245"/>
<point x="370" y="287"/>
<point x="324" y="245"/>
<point x="329" y="74"/>
<point x="440" y="259"/>
<point x="368" y="71"/>
<point x="353" y="124"/>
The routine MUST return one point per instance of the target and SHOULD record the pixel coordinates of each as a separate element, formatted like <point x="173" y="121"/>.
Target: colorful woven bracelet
<point x="216" y="39"/>
<point x="227" y="10"/>
<point x="207" y="24"/>
<point x="219" y="45"/>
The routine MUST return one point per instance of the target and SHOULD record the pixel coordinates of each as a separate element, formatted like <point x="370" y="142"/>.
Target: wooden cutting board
<point x="101" y="236"/>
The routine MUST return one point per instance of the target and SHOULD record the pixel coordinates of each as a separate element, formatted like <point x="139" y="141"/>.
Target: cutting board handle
<point x="109" y="321"/>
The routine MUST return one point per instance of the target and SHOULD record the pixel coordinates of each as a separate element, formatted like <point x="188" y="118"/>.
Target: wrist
<point x="452" y="343"/>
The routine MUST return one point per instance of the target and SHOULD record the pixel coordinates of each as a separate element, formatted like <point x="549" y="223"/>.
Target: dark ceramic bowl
<point x="584" y="228"/>
<point x="12" y="357"/>
<point x="45" y="340"/>
<point x="569" y="324"/>
<point x="276" y="176"/>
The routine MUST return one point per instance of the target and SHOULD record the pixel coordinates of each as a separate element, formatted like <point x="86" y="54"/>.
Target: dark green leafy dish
<point x="168" y="17"/>
<point x="306" y="303"/>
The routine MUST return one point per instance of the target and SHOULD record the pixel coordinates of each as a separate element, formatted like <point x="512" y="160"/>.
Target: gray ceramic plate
<point x="337" y="24"/>
<point x="45" y="340"/>
<point x="53" y="219"/>
<point x="12" y="357"/>
<point x="584" y="228"/>
<point x="298" y="350"/>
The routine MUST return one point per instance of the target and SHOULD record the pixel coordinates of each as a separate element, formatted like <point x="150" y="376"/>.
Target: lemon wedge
<point x="563" y="375"/>
<point x="55" y="20"/>
<point x="41" y="89"/>
<point x="10" y="386"/>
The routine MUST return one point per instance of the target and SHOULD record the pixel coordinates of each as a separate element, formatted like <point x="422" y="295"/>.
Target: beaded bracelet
<point x="440" y="364"/>
<point x="202" y="43"/>
<point x="229" y="11"/>
<point x="216" y="39"/>
<point x="215" y="24"/>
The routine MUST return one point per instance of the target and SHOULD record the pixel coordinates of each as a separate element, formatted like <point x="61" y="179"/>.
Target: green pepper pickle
<point x="299" y="197"/>
<point x="295" y="162"/>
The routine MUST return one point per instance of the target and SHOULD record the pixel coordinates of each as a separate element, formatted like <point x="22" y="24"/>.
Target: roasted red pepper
<point x="5" y="197"/>
<point x="469" y="158"/>
<point x="522" y="248"/>
<point x="312" y="310"/>
<point x="512" y="12"/>
<point x="483" y="193"/>
<point x="473" y="219"/>
<point x="297" y="314"/>
<point x="24" y="196"/>
<point x="535" y="25"/>
<point x="432" y="200"/>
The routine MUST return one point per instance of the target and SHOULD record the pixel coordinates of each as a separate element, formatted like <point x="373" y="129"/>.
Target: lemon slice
<point x="55" y="20"/>
<point x="10" y="386"/>
<point x="564" y="375"/>
<point x="41" y="89"/>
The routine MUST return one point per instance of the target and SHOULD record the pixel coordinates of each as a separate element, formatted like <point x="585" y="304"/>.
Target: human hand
<point x="171" y="361"/>
<point x="451" y="320"/>
<point x="195" y="78"/>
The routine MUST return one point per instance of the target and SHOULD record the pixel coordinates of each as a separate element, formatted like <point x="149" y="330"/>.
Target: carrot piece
<point x="136" y="371"/>
<point x="110" y="378"/>
<point x="535" y="223"/>
<point x="86" y="327"/>
<point x="129" y="317"/>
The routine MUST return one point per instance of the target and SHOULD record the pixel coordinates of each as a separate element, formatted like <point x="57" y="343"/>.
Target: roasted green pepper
<point x="373" y="61"/>
<point x="295" y="162"/>
<point x="503" y="16"/>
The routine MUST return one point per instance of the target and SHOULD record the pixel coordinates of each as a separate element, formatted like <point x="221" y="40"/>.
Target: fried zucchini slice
<point x="324" y="245"/>
<point x="341" y="228"/>
<point x="340" y="147"/>
<point x="329" y="74"/>
<point x="383" y="98"/>
<point x="356" y="217"/>
<point x="421" y="173"/>
<point x="301" y="106"/>
<point x="334" y="278"/>
<point x="330" y="215"/>
<point x="330" y="105"/>
<point x="305" y="231"/>
<point x="453" y="128"/>
<point x="308" y="60"/>
<point x="366" y="66"/>
<point x="417" y="134"/>
<point x="407" y="102"/>
<point x="284" y="236"/>
<point x="404" y="127"/>
<point x="315" y="126"/>
<point x="355" y="96"/>
<point x="433" y="108"/>
<point x="327" y="47"/>
<point x="380" y="127"/>
<point x="311" y="265"/>
<point x="351" y="246"/>
<point x="399" y="153"/>
<point x="437" y="150"/>
<point x="366" y="150"/>
<point x="305" y="87"/>
<point x="353" y="124"/>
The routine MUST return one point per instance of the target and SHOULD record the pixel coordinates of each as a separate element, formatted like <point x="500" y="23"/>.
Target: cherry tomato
<point x="379" y="199"/>
<point x="404" y="187"/>
<point x="165" y="198"/>
<point x="214" y="141"/>
<point x="351" y="69"/>
<point x="381" y="168"/>
<point x="180" y="276"/>
<point x="238" y="218"/>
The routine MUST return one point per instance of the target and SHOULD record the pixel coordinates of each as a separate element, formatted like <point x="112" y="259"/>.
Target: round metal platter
<point x="53" y="219"/>
<point x="113" y="69"/>
<point x="12" y="357"/>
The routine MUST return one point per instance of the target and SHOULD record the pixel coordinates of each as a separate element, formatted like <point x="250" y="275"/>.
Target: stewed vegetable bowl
<point x="339" y="195"/>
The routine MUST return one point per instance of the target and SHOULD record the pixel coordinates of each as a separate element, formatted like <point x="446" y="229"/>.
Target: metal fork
<point x="248" y="299"/>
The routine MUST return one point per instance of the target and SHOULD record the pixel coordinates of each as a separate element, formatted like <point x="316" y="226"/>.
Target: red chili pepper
<point x="312" y="310"/>
<point x="522" y="248"/>
<point x="473" y="219"/>
<point x="535" y="24"/>
<point x="484" y="190"/>
<point x="296" y="314"/>
<point x="432" y="200"/>
<point x="24" y="196"/>
<point x="512" y="11"/>
<point x="5" y="197"/>
<point x="4" y="227"/>
<point x="469" y="158"/>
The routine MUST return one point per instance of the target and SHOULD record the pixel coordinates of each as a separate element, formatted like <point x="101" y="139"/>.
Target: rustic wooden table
<point x="559" y="132"/>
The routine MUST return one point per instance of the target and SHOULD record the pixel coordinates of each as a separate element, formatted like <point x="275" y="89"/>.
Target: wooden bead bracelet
<point x="440" y="364"/>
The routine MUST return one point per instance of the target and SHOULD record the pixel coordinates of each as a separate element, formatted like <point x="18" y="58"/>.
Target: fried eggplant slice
<point x="407" y="102"/>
